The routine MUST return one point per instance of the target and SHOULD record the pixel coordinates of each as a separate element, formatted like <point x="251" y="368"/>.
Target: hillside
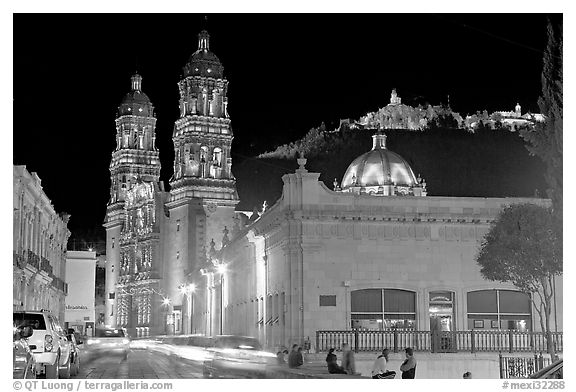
<point x="486" y="163"/>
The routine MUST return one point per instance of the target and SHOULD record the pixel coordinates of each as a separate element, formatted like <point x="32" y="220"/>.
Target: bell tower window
<point x="217" y="156"/>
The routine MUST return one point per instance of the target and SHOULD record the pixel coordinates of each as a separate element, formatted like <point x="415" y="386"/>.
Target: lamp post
<point x="166" y="305"/>
<point x="221" y="269"/>
<point x="188" y="290"/>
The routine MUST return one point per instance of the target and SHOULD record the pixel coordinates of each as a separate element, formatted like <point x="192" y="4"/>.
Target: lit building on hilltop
<point x="39" y="246"/>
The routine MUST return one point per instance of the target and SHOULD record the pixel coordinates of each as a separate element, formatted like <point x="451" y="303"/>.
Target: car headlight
<point x="126" y="341"/>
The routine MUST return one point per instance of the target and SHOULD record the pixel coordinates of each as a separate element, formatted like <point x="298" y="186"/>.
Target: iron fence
<point x="439" y="342"/>
<point x="522" y="367"/>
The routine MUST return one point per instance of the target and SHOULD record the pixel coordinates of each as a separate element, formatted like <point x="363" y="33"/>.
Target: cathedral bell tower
<point x="203" y="190"/>
<point x="135" y="161"/>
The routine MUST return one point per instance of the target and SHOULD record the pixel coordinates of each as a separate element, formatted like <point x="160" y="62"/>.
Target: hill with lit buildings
<point x="477" y="155"/>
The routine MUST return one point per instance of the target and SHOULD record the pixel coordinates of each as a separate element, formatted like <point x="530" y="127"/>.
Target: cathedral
<point x="157" y="241"/>
<point x="374" y="253"/>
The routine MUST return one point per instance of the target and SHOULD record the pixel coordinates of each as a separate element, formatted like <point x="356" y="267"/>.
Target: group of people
<point x="295" y="357"/>
<point x="379" y="369"/>
<point x="348" y="362"/>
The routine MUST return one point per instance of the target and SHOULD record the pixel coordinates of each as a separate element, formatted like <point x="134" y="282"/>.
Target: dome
<point x="380" y="171"/>
<point x="203" y="62"/>
<point x="135" y="102"/>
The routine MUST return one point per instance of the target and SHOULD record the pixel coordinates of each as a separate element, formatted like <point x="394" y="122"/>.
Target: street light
<point x="188" y="290"/>
<point x="208" y="276"/>
<point x="221" y="269"/>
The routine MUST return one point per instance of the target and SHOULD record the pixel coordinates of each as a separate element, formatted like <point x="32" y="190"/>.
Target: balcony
<point x="32" y="259"/>
<point x="59" y="284"/>
<point x="439" y="342"/>
<point x="18" y="260"/>
<point x="45" y="266"/>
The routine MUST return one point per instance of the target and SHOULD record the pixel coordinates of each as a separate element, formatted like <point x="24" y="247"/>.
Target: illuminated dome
<point x="381" y="172"/>
<point x="203" y="62"/>
<point x="136" y="103"/>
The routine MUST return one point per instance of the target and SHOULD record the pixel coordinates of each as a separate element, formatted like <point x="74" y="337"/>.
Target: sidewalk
<point x="312" y="369"/>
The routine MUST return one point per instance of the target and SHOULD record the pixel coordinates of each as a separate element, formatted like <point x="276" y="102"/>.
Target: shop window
<point x="379" y="309"/>
<point x="499" y="309"/>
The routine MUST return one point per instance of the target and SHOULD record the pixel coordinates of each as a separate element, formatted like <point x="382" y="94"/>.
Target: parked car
<point x="237" y="357"/>
<point x="52" y="350"/>
<point x="108" y="341"/>
<point x="75" y="352"/>
<point x="555" y="370"/>
<point x="24" y="364"/>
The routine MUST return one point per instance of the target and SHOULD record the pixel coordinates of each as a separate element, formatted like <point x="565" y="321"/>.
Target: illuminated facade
<point x="157" y="241"/>
<point x="342" y="259"/>
<point x="39" y="247"/>
<point x="134" y="217"/>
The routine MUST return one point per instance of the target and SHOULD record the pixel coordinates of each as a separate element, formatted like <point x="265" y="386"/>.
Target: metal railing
<point x="522" y="367"/>
<point x="439" y="342"/>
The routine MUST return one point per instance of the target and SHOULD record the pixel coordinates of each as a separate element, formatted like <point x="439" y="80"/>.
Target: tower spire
<point x="204" y="41"/>
<point x="136" y="82"/>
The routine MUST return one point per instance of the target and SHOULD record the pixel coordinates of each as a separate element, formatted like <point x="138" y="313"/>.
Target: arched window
<point x="499" y="309"/>
<point x="217" y="156"/>
<point x="378" y="309"/>
<point x="203" y="160"/>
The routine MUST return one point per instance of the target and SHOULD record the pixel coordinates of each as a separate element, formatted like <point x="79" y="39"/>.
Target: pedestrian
<point x="467" y="375"/>
<point x="280" y="358"/>
<point x="332" y="362"/>
<point x="348" y="362"/>
<point x="295" y="358"/>
<point x="379" y="368"/>
<point x="408" y="367"/>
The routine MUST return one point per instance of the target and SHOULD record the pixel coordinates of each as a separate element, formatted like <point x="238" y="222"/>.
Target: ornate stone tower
<point x="132" y="219"/>
<point x="203" y="189"/>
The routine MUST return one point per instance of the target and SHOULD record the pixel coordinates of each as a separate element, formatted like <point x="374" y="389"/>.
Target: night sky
<point x="286" y="73"/>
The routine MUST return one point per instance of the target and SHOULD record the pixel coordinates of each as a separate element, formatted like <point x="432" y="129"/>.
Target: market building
<point x="374" y="254"/>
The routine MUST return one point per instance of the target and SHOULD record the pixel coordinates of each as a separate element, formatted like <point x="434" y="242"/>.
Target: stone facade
<point x="39" y="247"/>
<point x="157" y="241"/>
<point x="318" y="245"/>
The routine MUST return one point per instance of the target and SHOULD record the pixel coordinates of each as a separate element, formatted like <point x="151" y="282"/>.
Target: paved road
<point x="141" y="364"/>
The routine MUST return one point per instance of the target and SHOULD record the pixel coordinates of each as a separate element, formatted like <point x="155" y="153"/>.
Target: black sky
<point x="287" y="74"/>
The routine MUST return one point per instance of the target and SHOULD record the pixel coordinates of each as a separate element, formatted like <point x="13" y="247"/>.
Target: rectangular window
<point x="482" y="302"/>
<point x="514" y="302"/>
<point x="327" y="300"/>
<point x="369" y="300"/>
<point x="399" y="301"/>
<point x="113" y="241"/>
<point x="111" y="295"/>
<point x="178" y="225"/>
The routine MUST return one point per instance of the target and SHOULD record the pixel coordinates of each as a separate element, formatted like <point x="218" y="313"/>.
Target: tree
<point x="522" y="248"/>
<point x="545" y="139"/>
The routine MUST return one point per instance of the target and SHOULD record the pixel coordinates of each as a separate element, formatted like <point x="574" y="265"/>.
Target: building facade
<point x="157" y="241"/>
<point x="375" y="254"/>
<point x="80" y="303"/>
<point x="39" y="247"/>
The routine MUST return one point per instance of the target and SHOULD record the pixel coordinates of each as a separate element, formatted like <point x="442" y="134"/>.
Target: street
<point x="141" y="364"/>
